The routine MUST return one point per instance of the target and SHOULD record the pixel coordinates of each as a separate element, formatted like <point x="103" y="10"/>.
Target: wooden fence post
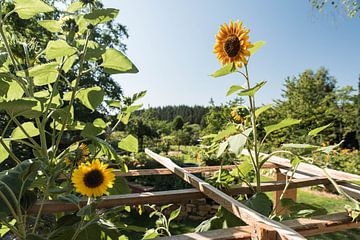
<point x="290" y="193"/>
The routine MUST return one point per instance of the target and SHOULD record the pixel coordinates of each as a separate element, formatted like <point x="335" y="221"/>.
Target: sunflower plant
<point x="243" y="136"/>
<point x="39" y="96"/>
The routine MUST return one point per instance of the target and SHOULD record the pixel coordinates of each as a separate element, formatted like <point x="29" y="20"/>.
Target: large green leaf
<point x="243" y="169"/>
<point x="98" y="16"/>
<point x="234" y="88"/>
<point x="10" y="90"/>
<point x="315" y="131"/>
<point x="27" y="107"/>
<point x="42" y="74"/>
<point x="58" y="48"/>
<point x="125" y="116"/>
<point x="29" y="8"/>
<point x="120" y="187"/>
<point x="222" y="148"/>
<point x="75" y="6"/>
<point x="262" y="109"/>
<point x="29" y="128"/>
<point x="91" y="131"/>
<point x="51" y="25"/>
<point x="91" y="97"/>
<point x="230" y="130"/>
<point x="130" y="144"/>
<point x="256" y="47"/>
<point x="3" y="153"/>
<point x="284" y="123"/>
<point x="261" y="203"/>
<point x="253" y="90"/>
<point x="17" y="179"/>
<point x="174" y="214"/>
<point x="227" y="69"/>
<point x="115" y="62"/>
<point x="238" y="141"/>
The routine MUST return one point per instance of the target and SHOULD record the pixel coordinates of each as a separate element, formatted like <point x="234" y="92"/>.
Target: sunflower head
<point x="93" y="179"/>
<point x="80" y="155"/>
<point x="232" y="44"/>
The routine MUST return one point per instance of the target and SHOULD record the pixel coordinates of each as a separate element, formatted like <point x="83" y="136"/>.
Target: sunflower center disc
<point x="93" y="178"/>
<point x="232" y="46"/>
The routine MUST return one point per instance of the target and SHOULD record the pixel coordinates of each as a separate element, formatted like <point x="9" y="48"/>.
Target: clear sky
<point x="171" y="42"/>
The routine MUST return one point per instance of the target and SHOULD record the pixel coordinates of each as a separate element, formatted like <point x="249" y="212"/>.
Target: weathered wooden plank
<point x="248" y="215"/>
<point x="307" y="227"/>
<point x="309" y="168"/>
<point x="165" y="171"/>
<point x="172" y="196"/>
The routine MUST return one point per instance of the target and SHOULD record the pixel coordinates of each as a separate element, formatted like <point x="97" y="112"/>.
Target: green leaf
<point x="227" y="69"/>
<point x="262" y="109"/>
<point x="91" y="131"/>
<point x="237" y="142"/>
<point x="18" y="179"/>
<point x="59" y="48"/>
<point x="42" y="74"/>
<point x="253" y="90"/>
<point x="99" y="16"/>
<point x="130" y="144"/>
<point x="75" y="6"/>
<point x="150" y="234"/>
<point x="284" y="123"/>
<point x="261" y="203"/>
<point x="124" y="117"/>
<point x="120" y="187"/>
<point x="10" y="90"/>
<point x="4" y="229"/>
<point x="315" y="131"/>
<point x="51" y="25"/>
<point x="244" y="168"/>
<point x="234" y="88"/>
<point x="256" y="47"/>
<point x="174" y="214"/>
<point x="29" y="8"/>
<point x="69" y="63"/>
<point x="299" y="145"/>
<point x="91" y="97"/>
<point x="3" y="153"/>
<point x="27" y="107"/>
<point x="29" y="128"/>
<point x="115" y="62"/>
<point x="100" y="123"/>
<point x="295" y="161"/>
<point x="222" y="148"/>
<point x="230" y="130"/>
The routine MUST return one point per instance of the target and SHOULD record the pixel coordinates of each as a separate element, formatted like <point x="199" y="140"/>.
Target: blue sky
<point x="171" y="42"/>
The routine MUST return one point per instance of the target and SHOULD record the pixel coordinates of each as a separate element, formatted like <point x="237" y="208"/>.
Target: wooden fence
<point x="259" y="227"/>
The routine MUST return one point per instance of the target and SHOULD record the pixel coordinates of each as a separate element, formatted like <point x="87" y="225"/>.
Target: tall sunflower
<point x="232" y="44"/>
<point x="93" y="179"/>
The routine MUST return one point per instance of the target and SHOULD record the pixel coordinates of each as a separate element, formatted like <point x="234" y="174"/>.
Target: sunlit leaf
<point x="58" y="48"/>
<point x="262" y="109"/>
<point x="29" y="128"/>
<point x="315" y="131"/>
<point x="99" y="16"/>
<point x="130" y="144"/>
<point x="230" y="130"/>
<point x="29" y="8"/>
<point x="222" y="148"/>
<point x="51" y="25"/>
<point x="3" y="153"/>
<point x="10" y="90"/>
<point x="256" y="47"/>
<point x="299" y="145"/>
<point x="115" y="62"/>
<point x="91" y="97"/>
<point x="75" y="6"/>
<point x="227" y="69"/>
<point x="253" y="90"/>
<point x="238" y="141"/>
<point x="284" y="123"/>
<point x="234" y="88"/>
